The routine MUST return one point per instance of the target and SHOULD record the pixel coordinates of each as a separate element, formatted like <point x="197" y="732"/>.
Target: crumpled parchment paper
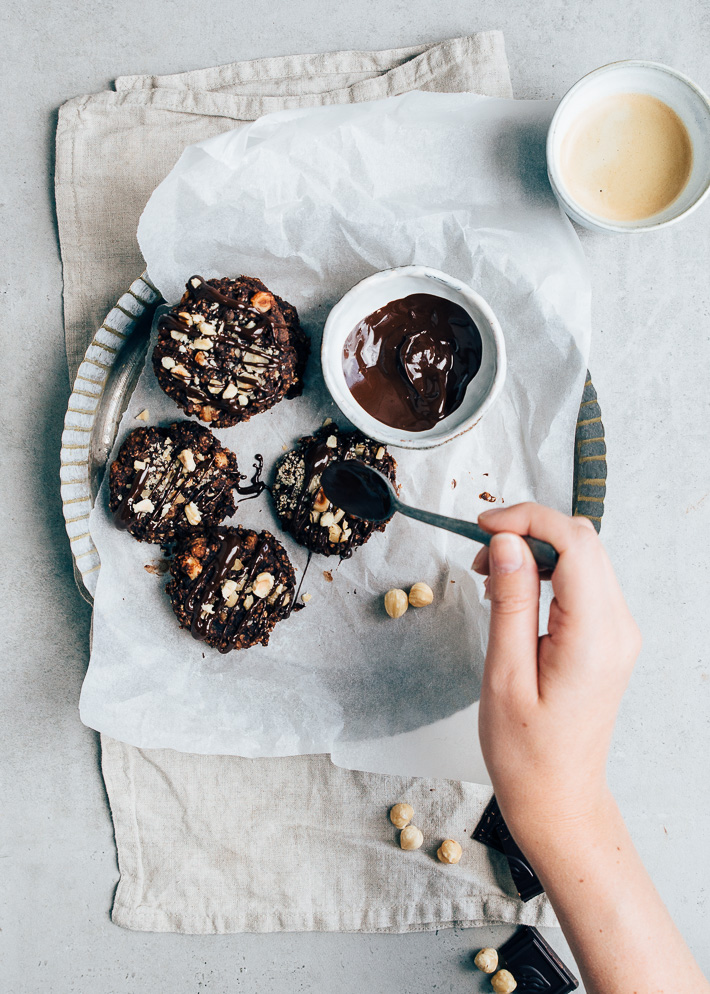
<point x="311" y="201"/>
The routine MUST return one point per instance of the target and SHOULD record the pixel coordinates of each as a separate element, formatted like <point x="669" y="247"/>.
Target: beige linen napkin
<point x="221" y="843"/>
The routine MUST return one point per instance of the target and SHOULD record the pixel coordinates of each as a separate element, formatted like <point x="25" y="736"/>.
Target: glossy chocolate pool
<point x="408" y="364"/>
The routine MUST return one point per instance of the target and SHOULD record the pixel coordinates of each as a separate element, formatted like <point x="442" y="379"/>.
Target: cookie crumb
<point x="486" y="496"/>
<point x="328" y="575"/>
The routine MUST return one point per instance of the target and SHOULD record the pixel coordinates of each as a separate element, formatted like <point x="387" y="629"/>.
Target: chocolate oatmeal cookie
<point x="300" y="502"/>
<point x="230" y="349"/>
<point x="230" y="586"/>
<point x="166" y="481"/>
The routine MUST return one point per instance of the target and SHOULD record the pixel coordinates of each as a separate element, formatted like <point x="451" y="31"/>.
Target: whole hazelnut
<point x="401" y="814"/>
<point x="486" y="960"/>
<point x="396" y="603"/>
<point x="503" y="982"/>
<point x="421" y="594"/>
<point x="449" y="851"/>
<point x="410" y="837"/>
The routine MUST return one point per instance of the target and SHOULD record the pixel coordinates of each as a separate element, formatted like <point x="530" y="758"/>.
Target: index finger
<point x="574" y="538"/>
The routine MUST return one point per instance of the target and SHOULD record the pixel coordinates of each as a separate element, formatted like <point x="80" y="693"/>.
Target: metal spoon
<point x="366" y="493"/>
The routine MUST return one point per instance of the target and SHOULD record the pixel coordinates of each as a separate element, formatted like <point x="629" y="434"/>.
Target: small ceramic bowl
<point x="672" y="88"/>
<point x="379" y="289"/>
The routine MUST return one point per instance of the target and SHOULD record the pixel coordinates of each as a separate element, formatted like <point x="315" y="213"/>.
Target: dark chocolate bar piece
<point x="524" y="877"/>
<point x="535" y="965"/>
<point x="493" y="832"/>
<point x="486" y="831"/>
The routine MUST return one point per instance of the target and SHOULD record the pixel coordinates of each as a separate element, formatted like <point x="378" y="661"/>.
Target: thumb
<point x="514" y="593"/>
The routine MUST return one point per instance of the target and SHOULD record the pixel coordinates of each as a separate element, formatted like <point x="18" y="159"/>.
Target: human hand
<point x="548" y="705"/>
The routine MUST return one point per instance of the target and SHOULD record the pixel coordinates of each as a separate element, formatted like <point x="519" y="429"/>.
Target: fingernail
<point x="489" y="512"/>
<point x="486" y="596"/>
<point x="506" y="553"/>
<point x="478" y="561"/>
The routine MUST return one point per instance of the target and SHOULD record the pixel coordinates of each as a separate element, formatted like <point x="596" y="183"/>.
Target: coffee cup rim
<point x="571" y="206"/>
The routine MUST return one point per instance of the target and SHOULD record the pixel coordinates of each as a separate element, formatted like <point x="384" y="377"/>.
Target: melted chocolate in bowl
<point x="409" y="363"/>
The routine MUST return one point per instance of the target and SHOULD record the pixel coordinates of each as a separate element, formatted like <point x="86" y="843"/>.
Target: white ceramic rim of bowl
<point x="570" y="205"/>
<point x="335" y="334"/>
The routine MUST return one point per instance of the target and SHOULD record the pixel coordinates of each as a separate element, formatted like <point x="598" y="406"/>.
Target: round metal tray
<point x="103" y="388"/>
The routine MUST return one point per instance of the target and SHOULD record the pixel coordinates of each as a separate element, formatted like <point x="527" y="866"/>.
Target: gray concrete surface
<point x="650" y="361"/>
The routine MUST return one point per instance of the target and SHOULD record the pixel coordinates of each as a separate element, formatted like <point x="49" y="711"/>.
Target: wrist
<point x="557" y="824"/>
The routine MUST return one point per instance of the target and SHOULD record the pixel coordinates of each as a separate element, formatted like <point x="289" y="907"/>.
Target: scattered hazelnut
<point x="306" y="597"/>
<point x="401" y="814"/>
<point x="380" y="452"/>
<point x="187" y="459"/>
<point x="396" y="603"/>
<point x="207" y="328"/>
<point x="243" y="400"/>
<point x="503" y="982"/>
<point x="179" y="336"/>
<point x="421" y="594"/>
<point x="139" y="464"/>
<point x="263" y="584"/>
<point x="208" y="413"/>
<point x="449" y="851"/>
<point x="332" y="442"/>
<point x="410" y="837"/>
<point x="185" y="317"/>
<point x="486" y="960"/>
<point x="192" y="513"/>
<point x="221" y="460"/>
<point x="203" y="343"/>
<point x="261" y="301"/>
<point x="178" y="370"/>
<point x="232" y="599"/>
<point x="335" y="534"/>
<point x="229" y="391"/>
<point x="327" y="519"/>
<point x="144" y="505"/>
<point x="167" y="362"/>
<point x="248" y="601"/>
<point x="143" y="416"/>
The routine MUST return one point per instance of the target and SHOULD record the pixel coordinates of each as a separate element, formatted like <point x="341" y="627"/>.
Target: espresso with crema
<point x="626" y="157"/>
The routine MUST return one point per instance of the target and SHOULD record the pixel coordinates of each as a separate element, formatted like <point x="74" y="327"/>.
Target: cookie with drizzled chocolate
<point x="230" y="586"/>
<point x="166" y="481"/>
<point x="301" y="504"/>
<point x="229" y="350"/>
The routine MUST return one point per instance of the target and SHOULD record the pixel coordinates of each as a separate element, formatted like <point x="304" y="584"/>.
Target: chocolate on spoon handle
<point x="544" y="554"/>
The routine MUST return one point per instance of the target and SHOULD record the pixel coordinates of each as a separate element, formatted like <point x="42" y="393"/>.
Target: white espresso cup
<point x="634" y="77"/>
